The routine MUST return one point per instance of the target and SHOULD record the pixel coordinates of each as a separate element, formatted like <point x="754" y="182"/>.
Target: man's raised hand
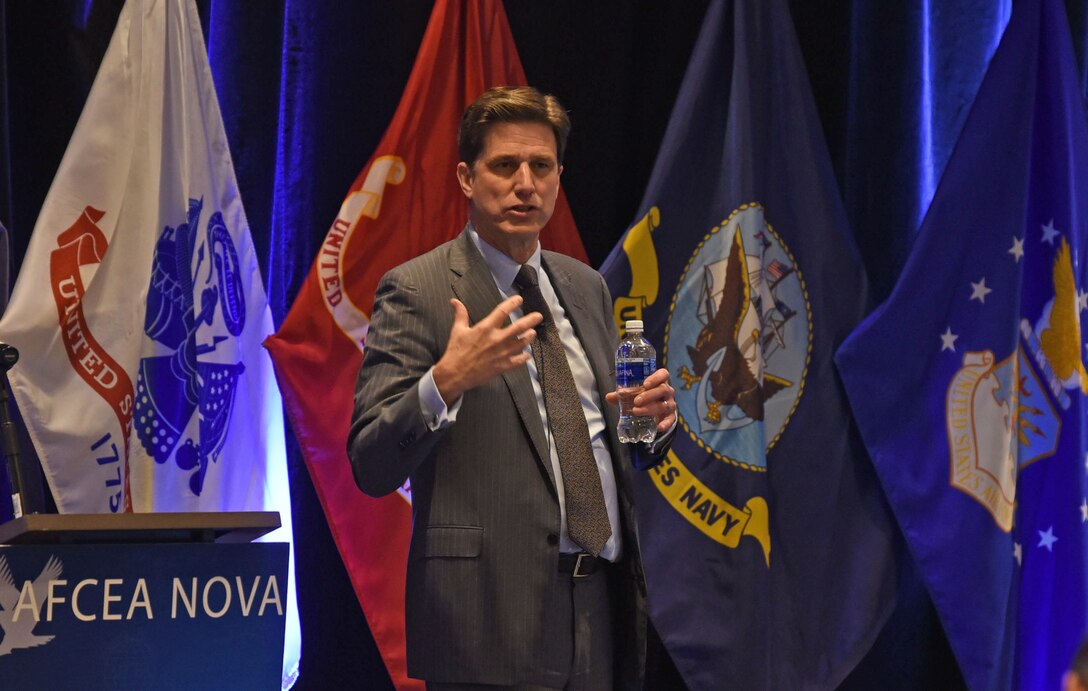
<point x="482" y="351"/>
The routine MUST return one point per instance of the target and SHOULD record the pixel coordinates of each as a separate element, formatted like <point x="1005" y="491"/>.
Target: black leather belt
<point x="580" y="565"/>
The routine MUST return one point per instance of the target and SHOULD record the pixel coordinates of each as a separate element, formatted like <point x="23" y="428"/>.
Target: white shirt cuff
<point x="434" y="409"/>
<point x="662" y="439"/>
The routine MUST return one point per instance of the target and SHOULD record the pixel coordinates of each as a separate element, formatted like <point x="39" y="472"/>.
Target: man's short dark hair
<point x="510" y="104"/>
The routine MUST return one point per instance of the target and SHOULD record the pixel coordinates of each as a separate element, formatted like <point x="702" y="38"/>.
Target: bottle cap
<point x="633" y="325"/>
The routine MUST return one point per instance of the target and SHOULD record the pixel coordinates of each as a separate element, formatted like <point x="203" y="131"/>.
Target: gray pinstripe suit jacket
<point x="484" y="505"/>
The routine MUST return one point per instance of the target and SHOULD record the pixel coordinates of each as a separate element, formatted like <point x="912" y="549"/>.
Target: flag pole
<point x="8" y="441"/>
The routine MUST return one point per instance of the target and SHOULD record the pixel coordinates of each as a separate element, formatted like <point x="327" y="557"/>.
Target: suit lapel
<point x="474" y="286"/>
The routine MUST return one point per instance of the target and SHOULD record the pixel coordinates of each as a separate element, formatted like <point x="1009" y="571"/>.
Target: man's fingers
<point x="657" y="378"/>
<point x="665" y="423"/>
<point x="501" y="314"/>
<point x="524" y="338"/>
<point x="518" y="334"/>
<point x="661" y="395"/>
<point x="460" y="313"/>
<point x="651" y="392"/>
<point x="528" y="322"/>
<point x="519" y="360"/>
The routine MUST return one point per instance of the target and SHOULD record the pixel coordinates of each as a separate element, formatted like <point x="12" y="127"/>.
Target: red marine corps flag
<point x="404" y="202"/>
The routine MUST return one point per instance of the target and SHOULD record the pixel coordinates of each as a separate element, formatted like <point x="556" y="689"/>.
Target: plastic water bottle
<point x="636" y="359"/>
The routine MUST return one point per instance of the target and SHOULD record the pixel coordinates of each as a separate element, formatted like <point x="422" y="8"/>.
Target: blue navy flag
<point x="769" y="549"/>
<point x="968" y="383"/>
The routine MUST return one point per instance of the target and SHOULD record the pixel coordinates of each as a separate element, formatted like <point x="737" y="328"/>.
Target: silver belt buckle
<point x="577" y="573"/>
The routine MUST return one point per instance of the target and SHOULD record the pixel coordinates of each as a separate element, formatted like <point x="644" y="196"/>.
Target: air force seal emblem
<point x="1003" y="416"/>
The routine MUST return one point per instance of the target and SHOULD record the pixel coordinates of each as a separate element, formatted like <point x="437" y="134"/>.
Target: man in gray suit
<point x="509" y="584"/>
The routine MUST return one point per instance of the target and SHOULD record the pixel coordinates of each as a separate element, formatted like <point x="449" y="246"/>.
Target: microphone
<point x="9" y="355"/>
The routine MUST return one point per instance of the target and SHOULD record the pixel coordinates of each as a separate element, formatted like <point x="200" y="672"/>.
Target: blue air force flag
<point x="765" y="530"/>
<point x="139" y="309"/>
<point x="968" y="383"/>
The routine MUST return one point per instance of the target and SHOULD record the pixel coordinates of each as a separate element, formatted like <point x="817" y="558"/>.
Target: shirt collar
<point x="503" y="268"/>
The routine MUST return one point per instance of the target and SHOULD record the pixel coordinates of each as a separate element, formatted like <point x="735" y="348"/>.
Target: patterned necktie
<point x="587" y="518"/>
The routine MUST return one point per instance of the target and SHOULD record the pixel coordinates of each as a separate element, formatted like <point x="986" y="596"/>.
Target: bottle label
<point x="632" y="372"/>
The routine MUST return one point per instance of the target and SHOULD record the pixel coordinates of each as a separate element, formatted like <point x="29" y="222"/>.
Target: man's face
<point x="512" y="186"/>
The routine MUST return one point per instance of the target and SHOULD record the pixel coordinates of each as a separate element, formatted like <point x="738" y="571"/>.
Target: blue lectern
<point x="142" y="601"/>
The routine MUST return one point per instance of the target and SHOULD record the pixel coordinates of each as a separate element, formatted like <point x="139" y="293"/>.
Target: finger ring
<point x="517" y="337"/>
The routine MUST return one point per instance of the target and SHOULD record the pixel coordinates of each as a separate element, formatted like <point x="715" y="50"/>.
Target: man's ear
<point x="464" y="178"/>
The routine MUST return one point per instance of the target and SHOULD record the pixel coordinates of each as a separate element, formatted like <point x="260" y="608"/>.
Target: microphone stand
<point x="8" y="439"/>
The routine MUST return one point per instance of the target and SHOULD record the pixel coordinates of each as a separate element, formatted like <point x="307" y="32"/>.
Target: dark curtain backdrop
<point x="307" y="87"/>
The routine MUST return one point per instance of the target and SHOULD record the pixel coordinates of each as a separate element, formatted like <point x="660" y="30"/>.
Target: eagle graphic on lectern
<point x="19" y="619"/>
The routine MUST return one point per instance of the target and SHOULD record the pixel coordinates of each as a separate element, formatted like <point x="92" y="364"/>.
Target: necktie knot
<point x="533" y="299"/>
<point x="526" y="277"/>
